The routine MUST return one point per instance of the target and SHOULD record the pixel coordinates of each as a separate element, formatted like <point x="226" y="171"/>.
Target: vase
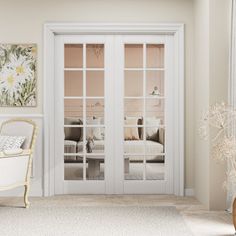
<point x="234" y="214"/>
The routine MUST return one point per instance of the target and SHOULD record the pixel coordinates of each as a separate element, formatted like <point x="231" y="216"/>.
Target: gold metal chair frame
<point x="25" y="152"/>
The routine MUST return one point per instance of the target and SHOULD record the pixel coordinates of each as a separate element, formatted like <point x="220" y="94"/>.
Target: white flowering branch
<point x="221" y="120"/>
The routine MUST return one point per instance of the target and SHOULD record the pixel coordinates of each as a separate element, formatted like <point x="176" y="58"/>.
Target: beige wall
<point x="201" y="97"/>
<point x="212" y="37"/>
<point x="220" y="14"/>
<point x="22" y="22"/>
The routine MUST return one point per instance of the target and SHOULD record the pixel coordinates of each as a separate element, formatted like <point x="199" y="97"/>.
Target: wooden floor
<point x="200" y="221"/>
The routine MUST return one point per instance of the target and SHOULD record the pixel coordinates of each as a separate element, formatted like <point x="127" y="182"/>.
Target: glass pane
<point x="73" y="156"/>
<point x="155" y="143"/>
<point x="155" y="170"/>
<point x="155" y="55"/>
<point x="155" y="111"/>
<point x="133" y="167"/>
<point x="134" y="108"/>
<point x="95" y="110"/>
<point x="73" y="56"/>
<point x="73" y="170"/>
<point x="73" y="83"/>
<point x="133" y="134"/>
<point x="81" y="146"/>
<point x="133" y="55"/>
<point x="133" y="83"/>
<point x="94" y="55"/>
<point x="133" y="140"/>
<point x="152" y="135"/>
<point x="95" y="138"/>
<point x="95" y="83"/>
<point x="95" y="167"/>
<point x="155" y="83"/>
<point x="73" y="138"/>
<point x="73" y="108"/>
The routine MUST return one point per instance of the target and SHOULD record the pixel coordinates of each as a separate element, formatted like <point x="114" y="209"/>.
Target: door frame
<point x="53" y="29"/>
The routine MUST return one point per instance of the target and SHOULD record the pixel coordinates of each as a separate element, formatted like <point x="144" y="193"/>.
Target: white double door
<point x="114" y="114"/>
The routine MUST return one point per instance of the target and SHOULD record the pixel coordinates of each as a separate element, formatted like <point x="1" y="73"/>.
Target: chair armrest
<point x="25" y="152"/>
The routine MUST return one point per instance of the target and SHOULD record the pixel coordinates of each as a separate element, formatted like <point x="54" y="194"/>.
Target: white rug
<point x="92" y="221"/>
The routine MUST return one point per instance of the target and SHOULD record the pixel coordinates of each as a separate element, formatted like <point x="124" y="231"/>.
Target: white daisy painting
<point x="18" y="75"/>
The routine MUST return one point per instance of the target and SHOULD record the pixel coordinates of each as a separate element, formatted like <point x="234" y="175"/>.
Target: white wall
<point x="22" y="22"/>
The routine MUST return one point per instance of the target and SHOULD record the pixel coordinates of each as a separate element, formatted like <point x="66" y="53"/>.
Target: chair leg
<point x="26" y="200"/>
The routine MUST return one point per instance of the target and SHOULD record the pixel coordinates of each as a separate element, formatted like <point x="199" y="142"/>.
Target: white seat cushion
<point x="134" y="146"/>
<point x="137" y="146"/>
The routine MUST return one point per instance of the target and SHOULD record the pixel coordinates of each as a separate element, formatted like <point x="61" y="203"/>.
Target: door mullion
<point x="109" y="119"/>
<point x="144" y="111"/>
<point x="119" y="114"/>
<point x="84" y="111"/>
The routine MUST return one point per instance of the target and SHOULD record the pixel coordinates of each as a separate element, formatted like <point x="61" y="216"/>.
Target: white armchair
<point x="15" y="166"/>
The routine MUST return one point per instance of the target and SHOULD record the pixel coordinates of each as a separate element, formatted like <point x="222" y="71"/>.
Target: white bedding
<point x="134" y="146"/>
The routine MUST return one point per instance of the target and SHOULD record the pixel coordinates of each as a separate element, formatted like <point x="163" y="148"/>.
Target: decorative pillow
<point x="11" y="142"/>
<point x="81" y="131"/>
<point x="101" y="119"/>
<point x="131" y="133"/>
<point x="73" y="133"/>
<point x="151" y="132"/>
<point x="161" y="136"/>
<point x="140" y="129"/>
<point x="94" y="132"/>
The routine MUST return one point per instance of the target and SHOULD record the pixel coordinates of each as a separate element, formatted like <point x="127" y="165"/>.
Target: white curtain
<point x="232" y="92"/>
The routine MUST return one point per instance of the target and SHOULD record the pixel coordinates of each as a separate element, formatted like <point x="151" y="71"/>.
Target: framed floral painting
<point x="18" y="75"/>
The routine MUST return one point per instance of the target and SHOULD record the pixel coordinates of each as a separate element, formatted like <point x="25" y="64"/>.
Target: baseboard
<point x="189" y="192"/>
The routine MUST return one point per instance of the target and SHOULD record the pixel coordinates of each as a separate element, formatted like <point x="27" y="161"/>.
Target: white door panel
<point x="114" y="114"/>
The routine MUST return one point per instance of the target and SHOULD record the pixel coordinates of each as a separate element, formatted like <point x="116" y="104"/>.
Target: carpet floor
<point x="92" y="221"/>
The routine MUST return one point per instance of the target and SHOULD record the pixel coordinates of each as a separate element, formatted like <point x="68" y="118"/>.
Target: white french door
<point x="114" y="114"/>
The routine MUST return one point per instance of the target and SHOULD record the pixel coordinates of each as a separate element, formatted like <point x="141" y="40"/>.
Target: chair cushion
<point x="19" y="128"/>
<point x="11" y="142"/>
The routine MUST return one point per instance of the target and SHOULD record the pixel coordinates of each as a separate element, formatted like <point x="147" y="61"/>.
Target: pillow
<point x="131" y="133"/>
<point x="101" y="119"/>
<point x="94" y="132"/>
<point x="140" y="129"/>
<point x="139" y="122"/>
<point x="151" y="132"/>
<point x="161" y="136"/>
<point x="11" y="142"/>
<point x="73" y="133"/>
